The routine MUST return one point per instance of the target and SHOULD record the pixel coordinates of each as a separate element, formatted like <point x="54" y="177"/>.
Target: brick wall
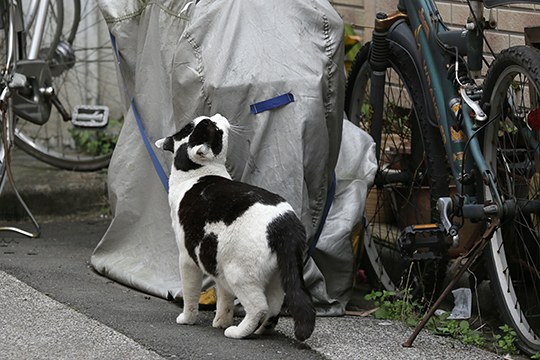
<point x="511" y="19"/>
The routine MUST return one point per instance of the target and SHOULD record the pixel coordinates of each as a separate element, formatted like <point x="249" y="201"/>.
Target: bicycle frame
<point x="39" y="28"/>
<point x="419" y="28"/>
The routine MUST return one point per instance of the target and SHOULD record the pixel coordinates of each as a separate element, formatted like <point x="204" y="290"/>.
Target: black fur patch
<point x="168" y="144"/>
<point x="184" y="132"/>
<point x="182" y="161"/>
<point x="214" y="199"/>
<point x="208" y="253"/>
<point x="286" y="235"/>
<point x="206" y="132"/>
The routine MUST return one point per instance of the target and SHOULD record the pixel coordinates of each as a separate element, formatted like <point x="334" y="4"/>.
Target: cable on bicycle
<point x="477" y="23"/>
<point x="465" y="149"/>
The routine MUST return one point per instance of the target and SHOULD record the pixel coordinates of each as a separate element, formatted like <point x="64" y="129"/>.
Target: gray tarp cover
<point x="182" y="59"/>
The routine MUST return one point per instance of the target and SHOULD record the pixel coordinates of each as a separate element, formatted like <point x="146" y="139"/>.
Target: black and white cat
<point x="248" y="239"/>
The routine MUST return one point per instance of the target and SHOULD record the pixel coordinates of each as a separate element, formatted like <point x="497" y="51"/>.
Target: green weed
<point x="96" y="142"/>
<point x="462" y="331"/>
<point x="507" y="341"/>
<point x="391" y="307"/>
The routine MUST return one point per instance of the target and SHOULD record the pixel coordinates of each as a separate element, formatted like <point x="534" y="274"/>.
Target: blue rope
<point x="328" y="204"/>
<point x="157" y="165"/>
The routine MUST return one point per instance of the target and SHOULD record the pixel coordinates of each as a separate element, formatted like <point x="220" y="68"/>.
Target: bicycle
<point x="69" y="112"/>
<point x="458" y="161"/>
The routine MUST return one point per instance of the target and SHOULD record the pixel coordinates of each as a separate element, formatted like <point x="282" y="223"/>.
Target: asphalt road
<point x="62" y="309"/>
<point x="57" y="264"/>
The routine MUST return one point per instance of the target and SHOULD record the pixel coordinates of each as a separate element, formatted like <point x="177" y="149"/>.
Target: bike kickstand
<point x="475" y="252"/>
<point x="7" y="163"/>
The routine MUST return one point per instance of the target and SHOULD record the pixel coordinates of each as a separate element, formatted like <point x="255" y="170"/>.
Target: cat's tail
<point x="289" y="238"/>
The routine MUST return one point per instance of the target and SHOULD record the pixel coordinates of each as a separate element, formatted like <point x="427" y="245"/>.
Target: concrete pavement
<point x="35" y="326"/>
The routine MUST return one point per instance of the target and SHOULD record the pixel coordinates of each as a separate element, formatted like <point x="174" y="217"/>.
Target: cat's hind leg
<point x="274" y="296"/>
<point x="254" y="302"/>
<point x="225" y="307"/>
<point x="191" y="288"/>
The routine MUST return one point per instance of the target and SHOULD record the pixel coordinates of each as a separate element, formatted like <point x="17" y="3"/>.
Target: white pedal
<point x="90" y="116"/>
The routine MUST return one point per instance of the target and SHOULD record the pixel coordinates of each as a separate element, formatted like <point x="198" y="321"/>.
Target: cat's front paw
<point x="234" y="332"/>
<point x="222" y="322"/>
<point x="185" y="319"/>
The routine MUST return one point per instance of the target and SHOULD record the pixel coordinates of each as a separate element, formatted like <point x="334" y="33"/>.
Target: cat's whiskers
<point x="238" y="130"/>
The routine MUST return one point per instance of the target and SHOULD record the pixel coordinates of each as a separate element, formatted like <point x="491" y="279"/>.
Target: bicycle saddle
<point x="493" y="3"/>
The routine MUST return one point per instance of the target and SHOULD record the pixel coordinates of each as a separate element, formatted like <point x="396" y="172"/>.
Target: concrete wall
<point x="511" y="19"/>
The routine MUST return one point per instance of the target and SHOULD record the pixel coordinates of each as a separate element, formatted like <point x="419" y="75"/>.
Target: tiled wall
<point x="511" y="19"/>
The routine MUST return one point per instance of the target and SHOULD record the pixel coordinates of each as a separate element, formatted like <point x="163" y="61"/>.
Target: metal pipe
<point x="39" y="29"/>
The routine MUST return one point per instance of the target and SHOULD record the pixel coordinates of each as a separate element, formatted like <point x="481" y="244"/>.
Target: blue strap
<point x="272" y="103"/>
<point x="329" y="199"/>
<point x="157" y="165"/>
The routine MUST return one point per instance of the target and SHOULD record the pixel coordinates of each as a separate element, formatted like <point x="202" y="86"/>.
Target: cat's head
<point x="204" y="140"/>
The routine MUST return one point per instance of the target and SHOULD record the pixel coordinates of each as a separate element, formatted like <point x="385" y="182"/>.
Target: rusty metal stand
<point x="473" y="255"/>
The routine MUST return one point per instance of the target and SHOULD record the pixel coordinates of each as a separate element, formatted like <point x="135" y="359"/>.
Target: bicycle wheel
<point x="3" y="176"/>
<point x="411" y="173"/>
<point x="5" y="69"/>
<point x="512" y="149"/>
<point x="83" y="73"/>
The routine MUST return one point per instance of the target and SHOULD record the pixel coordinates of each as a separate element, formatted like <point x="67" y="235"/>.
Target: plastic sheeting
<point x="182" y="59"/>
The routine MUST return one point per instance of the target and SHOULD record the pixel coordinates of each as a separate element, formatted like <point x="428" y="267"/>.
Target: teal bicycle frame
<point x="418" y="28"/>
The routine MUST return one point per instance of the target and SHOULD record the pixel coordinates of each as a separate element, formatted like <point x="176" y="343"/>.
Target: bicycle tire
<point x="3" y="161"/>
<point x="6" y="10"/>
<point x="512" y="88"/>
<point x="83" y="73"/>
<point x="3" y="40"/>
<point x="393" y="206"/>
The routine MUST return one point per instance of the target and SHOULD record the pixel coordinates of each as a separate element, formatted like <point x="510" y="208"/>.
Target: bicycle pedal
<point x="90" y="116"/>
<point x="423" y="242"/>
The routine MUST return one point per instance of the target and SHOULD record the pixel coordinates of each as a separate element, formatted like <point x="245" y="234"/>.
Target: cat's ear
<point x="159" y="143"/>
<point x="166" y="143"/>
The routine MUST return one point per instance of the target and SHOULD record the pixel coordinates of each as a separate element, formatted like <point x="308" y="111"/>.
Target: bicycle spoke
<point x="83" y="74"/>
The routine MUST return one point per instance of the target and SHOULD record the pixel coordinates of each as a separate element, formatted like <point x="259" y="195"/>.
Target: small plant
<point x="507" y="341"/>
<point x="393" y="307"/>
<point x="96" y="142"/>
<point x="462" y="331"/>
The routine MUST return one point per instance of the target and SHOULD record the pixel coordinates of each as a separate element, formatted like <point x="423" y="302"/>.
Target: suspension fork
<point x="378" y="60"/>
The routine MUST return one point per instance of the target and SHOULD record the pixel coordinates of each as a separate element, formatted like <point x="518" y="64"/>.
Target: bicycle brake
<point x="480" y="115"/>
<point x="444" y="206"/>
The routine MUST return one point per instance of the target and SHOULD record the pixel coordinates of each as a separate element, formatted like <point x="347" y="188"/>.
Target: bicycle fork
<point x="378" y="60"/>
